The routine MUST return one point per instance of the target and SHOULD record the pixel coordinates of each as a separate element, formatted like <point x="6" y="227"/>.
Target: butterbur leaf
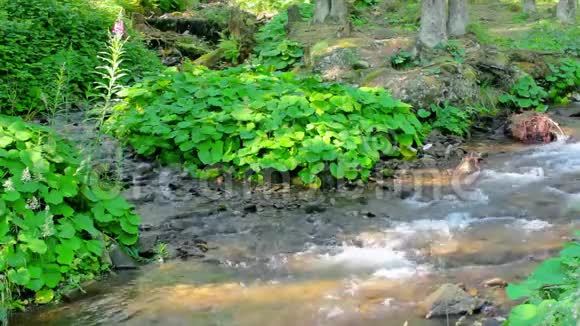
<point x="54" y="197"/>
<point x="524" y="315"/>
<point x="84" y="222"/>
<point x="128" y="227"/>
<point x="423" y="113"/>
<point x="37" y="245"/>
<point x="571" y="251"/>
<point x="95" y="246"/>
<point x="65" y="254"/>
<point x="67" y="230"/>
<point x="44" y="296"/>
<point x="517" y="291"/>
<point x="128" y="239"/>
<point x="20" y="276"/>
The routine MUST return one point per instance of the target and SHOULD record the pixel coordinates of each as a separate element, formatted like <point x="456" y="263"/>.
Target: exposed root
<point x="533" y="127"/>
<point x="469" y="164"/>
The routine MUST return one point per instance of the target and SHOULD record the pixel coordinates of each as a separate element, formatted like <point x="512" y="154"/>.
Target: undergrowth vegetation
<point x="246" y="122"/>
<point x="552" y="292"/>
<point x="66" y="36"/>
<point x="557" y="87"/>
<point x="57" y="217"/>
<point x="274" y="50"/>
<point x="548" y="36"/>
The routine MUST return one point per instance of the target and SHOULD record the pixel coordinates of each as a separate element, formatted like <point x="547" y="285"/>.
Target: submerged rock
<point x="120" y="259"/>
<point x="450" y="299"/>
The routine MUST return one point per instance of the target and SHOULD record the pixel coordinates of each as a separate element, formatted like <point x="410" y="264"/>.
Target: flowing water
<point x="364" y="261"/>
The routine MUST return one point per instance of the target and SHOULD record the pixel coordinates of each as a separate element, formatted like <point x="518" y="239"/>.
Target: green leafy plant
<point x="259" y="6"/>
<point x="404" y="14"/>
<point x="564" y="79"/>
<point x="549" y="36"/>
<point x="552" y="292"/>
<point x="454" y="49"/>
<point x="274" y="50"/>
<point x="246" y="122"/>
<point x="161" y="252"/>
<point x="525" y="94"/>
<point x="404" y="59"/>
<point x="231" y="47"/>
<point x="448" y="118"/>
<point x="59" y="32"/>
<point x="55" y="220"/>
<point x="111" y="73"/>
<point x="366" y="3"/>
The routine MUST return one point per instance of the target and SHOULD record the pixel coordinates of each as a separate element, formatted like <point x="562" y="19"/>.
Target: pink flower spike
<point x="119" y="28"/>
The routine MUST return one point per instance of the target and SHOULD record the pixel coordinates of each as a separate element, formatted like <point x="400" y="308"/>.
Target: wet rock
<point x="368" y="214"/>
<point x="145" y="227"/>
<point x="120" y="259"/>
<point x="78" y="292"/>
<point x="147" y="244"/>
<point x="314" y="208"/>
<point x="450" y="299"/>
<point x="495" y="282"/>
<point x="251" y="208"/>
<point x="143" y="168"/>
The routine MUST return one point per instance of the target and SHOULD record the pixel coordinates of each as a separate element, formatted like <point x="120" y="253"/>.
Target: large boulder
<point x="348" y="59"/>
<point x="449" y="81"/>
<point x="450" y="299"/>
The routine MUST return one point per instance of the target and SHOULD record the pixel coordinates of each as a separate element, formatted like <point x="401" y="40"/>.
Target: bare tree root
<point x="534" y="128"/>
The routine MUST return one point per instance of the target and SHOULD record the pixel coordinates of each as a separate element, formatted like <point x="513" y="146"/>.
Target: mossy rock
<point x="531" y="63"/>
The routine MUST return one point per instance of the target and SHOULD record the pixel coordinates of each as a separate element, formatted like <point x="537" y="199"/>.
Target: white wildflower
<point x="48" y="227"/>
<point x="26" y="176"/>
<point x="8" y="185"/>
<point x="32" y="203"/>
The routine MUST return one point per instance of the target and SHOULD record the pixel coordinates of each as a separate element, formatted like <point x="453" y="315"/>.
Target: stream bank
<point x="354" y="257"/>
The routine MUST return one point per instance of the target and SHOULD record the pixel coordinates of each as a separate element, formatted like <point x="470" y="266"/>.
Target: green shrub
<point x="525" y="94"/>
<point x="564" y="79"/>
<point x="39" y="37"/>
<point x="449" y="118"/>
<point x="259" y="6"/>
<point x="231" y="47"/>
<point x="403" y="60"/>
<point x="274" y="50"/>
<point x="244" y="121"/>
<point x="54" y="222"/>
<point x="552" y="292"/>
<point x="547" y="36"/>
<point x="156" y="6"/>
<point x="454" y="49"/>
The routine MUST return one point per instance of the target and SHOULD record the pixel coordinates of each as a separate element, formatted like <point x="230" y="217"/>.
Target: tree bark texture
<point x="566" y="11"/>
<point x="458" y="17"/>
<point x="433" y="22"/>
<point x="330" y="10"/>
<point x="530" y="6"/>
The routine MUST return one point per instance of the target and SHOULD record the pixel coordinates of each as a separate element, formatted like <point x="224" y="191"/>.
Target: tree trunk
<point x="339" y="11"/>
<point x="530" y="6"/>
<point x="458" y="17"/>
<point x="335" y="10"/>
<point x="321" y="11"/>
<point x="566" y="11"/>
<point x="433" y="22"/>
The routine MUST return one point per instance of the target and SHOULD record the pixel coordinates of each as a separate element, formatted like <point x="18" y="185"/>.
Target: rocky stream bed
<point x="396" y="251"/>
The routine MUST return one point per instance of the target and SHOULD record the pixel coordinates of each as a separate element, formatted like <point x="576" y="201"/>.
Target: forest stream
<point x="361" y="261"/>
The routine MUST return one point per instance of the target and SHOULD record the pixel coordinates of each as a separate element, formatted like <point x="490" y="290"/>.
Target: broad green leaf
<point x="44" y="296"/>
